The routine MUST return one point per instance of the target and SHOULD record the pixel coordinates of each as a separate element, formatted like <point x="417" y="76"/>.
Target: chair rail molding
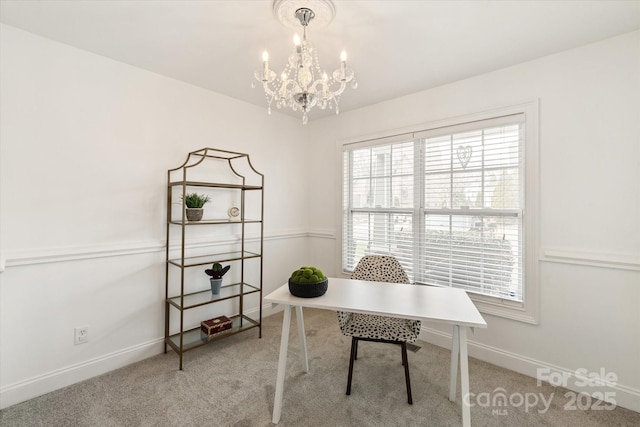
<point x="25" y="257"/>
<point x="592" y="259"/>
<point x="322" y="233"/>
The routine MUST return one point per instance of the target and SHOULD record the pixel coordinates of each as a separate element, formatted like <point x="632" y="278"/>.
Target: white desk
<point x="428" y="303"/>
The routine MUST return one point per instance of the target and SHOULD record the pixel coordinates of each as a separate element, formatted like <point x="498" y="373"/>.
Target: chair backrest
<point x="380" y="268"/>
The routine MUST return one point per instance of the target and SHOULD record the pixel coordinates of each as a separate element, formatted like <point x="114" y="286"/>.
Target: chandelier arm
<point x="338" y="92"/>
<point x="289" y="87"/>
<point x="268" y="90"/>
<point x="326" y="89"/>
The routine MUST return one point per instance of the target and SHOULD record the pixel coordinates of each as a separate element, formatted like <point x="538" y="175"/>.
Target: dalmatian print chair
<point x="369" y="327"/>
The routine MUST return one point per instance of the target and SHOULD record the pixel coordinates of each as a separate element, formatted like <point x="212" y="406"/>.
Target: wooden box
<point x="216" y="325"/>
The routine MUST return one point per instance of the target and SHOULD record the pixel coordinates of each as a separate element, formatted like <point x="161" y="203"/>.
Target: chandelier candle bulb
<point x="265" y="62"/>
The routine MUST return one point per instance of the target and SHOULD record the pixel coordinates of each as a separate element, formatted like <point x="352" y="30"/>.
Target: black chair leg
<point x="355" y="357"/>
<point x="354" y="350"/>
<point x="405" y="362"/>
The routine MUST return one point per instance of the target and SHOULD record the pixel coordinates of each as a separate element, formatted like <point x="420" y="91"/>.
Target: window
<point x="450" y="204"/>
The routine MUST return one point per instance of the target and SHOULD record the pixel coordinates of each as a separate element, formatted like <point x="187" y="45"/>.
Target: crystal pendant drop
<point x="269" y="110"/>
<point x="305" y="118"/>
<point x="253" y="85"/>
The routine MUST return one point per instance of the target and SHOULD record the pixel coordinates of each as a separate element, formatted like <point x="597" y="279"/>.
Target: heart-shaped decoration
<point x="464" y="155"/>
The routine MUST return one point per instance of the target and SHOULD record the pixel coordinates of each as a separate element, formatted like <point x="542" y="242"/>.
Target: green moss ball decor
<point x="308" y="282"/>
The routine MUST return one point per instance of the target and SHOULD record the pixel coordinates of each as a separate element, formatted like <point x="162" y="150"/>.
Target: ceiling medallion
<point x="302" y="84"/>
<point x="285" y="12"/>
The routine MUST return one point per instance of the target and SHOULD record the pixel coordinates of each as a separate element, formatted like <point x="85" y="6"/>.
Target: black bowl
<point x="308" y="290"/>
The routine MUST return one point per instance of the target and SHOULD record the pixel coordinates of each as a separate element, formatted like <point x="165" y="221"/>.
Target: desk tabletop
<point x="429" y="303"/>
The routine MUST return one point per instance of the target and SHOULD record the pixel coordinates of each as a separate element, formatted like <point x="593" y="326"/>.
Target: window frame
<point x="526" y="311"/>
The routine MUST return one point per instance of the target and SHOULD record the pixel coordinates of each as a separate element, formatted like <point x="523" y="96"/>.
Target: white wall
<point x="589" y="211"/>
<point x="85" y="143"/>
<point x="85" y="146"/>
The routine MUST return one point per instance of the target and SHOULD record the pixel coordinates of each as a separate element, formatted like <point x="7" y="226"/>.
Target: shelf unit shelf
<point x="183" y="294"/>
<point x="214" y="221"/>
<point x="200" y="260"/>
<point x="194" y="338"/>
<point x="196" y="299"/>
<point x="214" y="185"/>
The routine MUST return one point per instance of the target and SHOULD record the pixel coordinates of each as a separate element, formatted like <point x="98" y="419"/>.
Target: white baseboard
<point x="55" y="380"/>
<point x="37" y="386"/>
<point x="623" y="396"/>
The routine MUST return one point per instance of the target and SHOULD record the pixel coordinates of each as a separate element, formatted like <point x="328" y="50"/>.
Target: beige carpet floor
<point x="231" y="383"/>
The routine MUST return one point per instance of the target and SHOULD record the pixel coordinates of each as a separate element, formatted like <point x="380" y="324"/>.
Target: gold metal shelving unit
<point x="226" y="177"/>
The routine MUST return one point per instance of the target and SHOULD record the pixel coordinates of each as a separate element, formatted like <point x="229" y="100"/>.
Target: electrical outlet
<point x="81" y="334"/>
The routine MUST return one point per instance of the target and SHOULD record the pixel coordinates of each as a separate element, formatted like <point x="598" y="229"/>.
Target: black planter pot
<point x="308" y="290"/>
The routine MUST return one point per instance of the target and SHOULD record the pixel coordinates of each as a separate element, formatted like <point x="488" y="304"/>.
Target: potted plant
<point x="194" y="203"/>
<point x="308" y="282"/>
<point x="216" y="272"/>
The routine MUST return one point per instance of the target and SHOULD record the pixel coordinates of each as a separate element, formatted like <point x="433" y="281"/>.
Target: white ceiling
<point x="396" y="47"/>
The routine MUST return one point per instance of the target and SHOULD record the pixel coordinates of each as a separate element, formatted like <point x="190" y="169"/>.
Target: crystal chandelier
<point x="302" y="84"/>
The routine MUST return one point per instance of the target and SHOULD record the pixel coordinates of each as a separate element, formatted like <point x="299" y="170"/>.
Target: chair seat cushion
<point x="379" y="327"/>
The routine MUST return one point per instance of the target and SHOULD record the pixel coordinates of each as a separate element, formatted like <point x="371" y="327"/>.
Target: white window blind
<point x="448" y="203"/>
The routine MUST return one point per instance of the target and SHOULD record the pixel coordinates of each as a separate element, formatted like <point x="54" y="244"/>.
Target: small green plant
<point x="195" y="200"/>
<point x="308" y="275"/>
<point x="217" y="270"/>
